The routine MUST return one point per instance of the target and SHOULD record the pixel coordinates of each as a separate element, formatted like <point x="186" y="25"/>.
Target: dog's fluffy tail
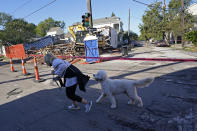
<point x="143" y="83"/>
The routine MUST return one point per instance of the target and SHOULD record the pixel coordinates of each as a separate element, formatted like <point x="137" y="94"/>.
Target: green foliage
<point x="152" y="22"/>
<point x="157" y="21"/>
<point x="45" y="25"/>
<point x="4" y="18"/>
<point x="175" y="5"/>
<point x="17" y="31"/>
<point x="192" y="36"/>
<point x="174" y="17"/>
<point x="132" y="36"/>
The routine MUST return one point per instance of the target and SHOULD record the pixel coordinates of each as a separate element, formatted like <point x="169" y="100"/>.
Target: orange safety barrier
<point x="36" y="70"/>
<point x="15" y="51"/>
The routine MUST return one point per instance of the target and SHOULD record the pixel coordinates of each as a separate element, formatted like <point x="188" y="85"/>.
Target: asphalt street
<point x="169" y="102"/>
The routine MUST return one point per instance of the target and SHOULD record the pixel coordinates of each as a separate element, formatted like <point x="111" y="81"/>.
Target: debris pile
<point x="58" y="50"/>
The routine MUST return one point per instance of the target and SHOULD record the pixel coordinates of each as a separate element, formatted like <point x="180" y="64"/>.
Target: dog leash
<point x="60" y="88"/>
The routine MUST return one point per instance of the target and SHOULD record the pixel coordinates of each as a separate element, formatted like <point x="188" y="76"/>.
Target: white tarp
<point x="90" y="37"/>
<point x="2" y="50"/>
<point x="114" y="38"/>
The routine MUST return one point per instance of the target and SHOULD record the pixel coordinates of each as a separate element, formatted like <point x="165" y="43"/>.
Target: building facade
<point x="193" y="10"/>
<point x="113" y="22"/>
<point x="55" y="31"/>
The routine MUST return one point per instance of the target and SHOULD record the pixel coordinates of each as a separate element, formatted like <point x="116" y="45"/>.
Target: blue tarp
<point x="41" y="43"/>
<point x="91" y="49"/>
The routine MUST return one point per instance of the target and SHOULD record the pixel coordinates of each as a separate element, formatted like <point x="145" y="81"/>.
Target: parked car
<point x="160" y="43"/>
<point x="136" y="44"/>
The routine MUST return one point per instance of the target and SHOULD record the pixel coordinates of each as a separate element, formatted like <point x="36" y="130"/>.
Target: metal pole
<point x="164" y="19"/>
<point x="182" y="22"/>
<point x="129" y="23"/>
<point x="89" y="7"/>
<point x="128" y="34"/>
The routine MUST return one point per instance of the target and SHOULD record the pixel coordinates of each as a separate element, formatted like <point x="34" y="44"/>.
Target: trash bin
<point x="91" y="48"/>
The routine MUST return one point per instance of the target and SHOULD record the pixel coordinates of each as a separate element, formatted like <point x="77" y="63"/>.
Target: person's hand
<point x="56" y="78"/>
<point x="52" y="72"/>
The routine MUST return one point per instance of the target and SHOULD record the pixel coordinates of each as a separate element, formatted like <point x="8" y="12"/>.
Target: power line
<point x="21" y="6"/>
<point x="153" y="6"/>
<point x="39" y="9"/>
<point x="141" y="2"/>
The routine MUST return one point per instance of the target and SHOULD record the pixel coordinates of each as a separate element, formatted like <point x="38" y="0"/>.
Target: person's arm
<point x="60" y="66"/>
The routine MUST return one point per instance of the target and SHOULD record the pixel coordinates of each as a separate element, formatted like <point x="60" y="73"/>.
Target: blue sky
<point x="70" y="11"/>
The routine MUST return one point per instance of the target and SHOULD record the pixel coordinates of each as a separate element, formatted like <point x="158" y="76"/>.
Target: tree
<point x="152" y="20"/>
<point x="174" y="17"/>
<point x="132" y="36"/>
<point x="17" y="31"/>
<point x="113" y="14"/>
<point x="192" y="36"/>
<point x="4" y="18"/>
<point x="45" y="25"/>
<point x="158" y="22"/>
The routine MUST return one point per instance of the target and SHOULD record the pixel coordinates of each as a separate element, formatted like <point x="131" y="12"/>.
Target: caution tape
<point x="124" y="58"/>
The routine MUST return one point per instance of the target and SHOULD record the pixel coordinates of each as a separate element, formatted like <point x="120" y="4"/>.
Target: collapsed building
<point x="108" y="30"/>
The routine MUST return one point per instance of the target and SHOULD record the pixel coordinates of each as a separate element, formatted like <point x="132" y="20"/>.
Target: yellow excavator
<point x="78" y="33"/>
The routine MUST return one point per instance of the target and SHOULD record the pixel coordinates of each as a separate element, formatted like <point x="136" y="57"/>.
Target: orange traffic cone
<point x="36" y="72"/>
<point x="36" y="69"/>
<point x="23" y="67"/>
<point x="11" y="66"/>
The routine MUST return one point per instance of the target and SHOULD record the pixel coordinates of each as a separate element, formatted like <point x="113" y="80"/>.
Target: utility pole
<point x="164" y="20"/>
<point x="182" y="22"/>
<point x="129" y="23"/>
<point x="90" y="11"/>
<point x="129" y="28"/>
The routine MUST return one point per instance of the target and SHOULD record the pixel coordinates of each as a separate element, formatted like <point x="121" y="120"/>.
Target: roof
<point x="106" y="20"/>
<point x="54" y="29"/>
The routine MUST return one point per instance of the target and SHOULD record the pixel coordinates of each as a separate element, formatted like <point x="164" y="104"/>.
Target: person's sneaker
<point x="88" y="106"/>
<point x="73" y="107"/>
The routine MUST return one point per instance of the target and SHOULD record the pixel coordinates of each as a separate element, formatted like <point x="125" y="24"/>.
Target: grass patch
<point x="3" y="58"/>
<point x="192" y="49"/>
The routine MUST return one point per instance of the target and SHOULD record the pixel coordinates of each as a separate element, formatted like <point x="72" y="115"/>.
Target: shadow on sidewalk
<point x="164" y="100"/>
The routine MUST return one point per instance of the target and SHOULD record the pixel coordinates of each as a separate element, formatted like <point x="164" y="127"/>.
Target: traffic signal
<point x="85" y="20"/>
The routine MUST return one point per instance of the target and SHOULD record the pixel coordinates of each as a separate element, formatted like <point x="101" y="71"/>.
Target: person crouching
<point x="72" y="76"/>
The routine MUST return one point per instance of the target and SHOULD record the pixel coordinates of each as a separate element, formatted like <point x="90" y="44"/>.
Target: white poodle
<point x="112" y="87"/>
